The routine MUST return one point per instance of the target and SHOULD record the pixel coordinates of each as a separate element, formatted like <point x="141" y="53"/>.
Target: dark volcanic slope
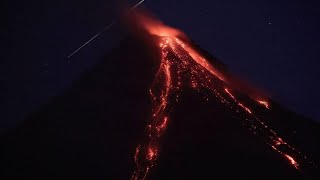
<point x="92" y="130"/>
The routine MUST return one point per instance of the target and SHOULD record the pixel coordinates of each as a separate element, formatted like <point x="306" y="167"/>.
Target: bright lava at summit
<point x="183" y="66"/>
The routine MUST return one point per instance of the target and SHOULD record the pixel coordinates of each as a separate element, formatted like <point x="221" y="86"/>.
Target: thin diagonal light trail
<point x="101" y="32"/>
<point x="91" y="39"/>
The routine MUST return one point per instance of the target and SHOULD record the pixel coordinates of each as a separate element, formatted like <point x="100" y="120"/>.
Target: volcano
<point x="160" y="107"/>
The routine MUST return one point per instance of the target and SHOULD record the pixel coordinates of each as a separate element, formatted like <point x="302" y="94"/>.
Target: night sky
<point x="273" y="44"/>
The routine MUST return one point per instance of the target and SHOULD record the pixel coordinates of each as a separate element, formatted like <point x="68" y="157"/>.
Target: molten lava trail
<point x="182" y="66"/>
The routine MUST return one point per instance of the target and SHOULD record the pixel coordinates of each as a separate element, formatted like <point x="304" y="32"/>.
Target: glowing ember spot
<point x="264" y="103"/>
<point x="151" y="153"/>
<point x="194" y="84"/>
<point x="279" y="141"/>
<point x="292" y="161"/>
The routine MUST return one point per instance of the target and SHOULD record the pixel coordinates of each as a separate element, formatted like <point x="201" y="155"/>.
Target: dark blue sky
<point x="272" y="43"/>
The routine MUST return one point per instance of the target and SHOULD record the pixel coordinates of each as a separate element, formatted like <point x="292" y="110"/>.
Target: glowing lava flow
<point x="182" y="66"/>
<point x="264" y="103"/>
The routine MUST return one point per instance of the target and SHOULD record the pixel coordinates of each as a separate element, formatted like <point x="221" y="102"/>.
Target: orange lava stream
<point x="264" y="103"/>
<point x="183" y="65"/>
<point x="239" y="103"/>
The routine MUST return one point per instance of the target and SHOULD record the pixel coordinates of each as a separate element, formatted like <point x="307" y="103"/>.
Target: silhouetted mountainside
<point x="91" y="131"/>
